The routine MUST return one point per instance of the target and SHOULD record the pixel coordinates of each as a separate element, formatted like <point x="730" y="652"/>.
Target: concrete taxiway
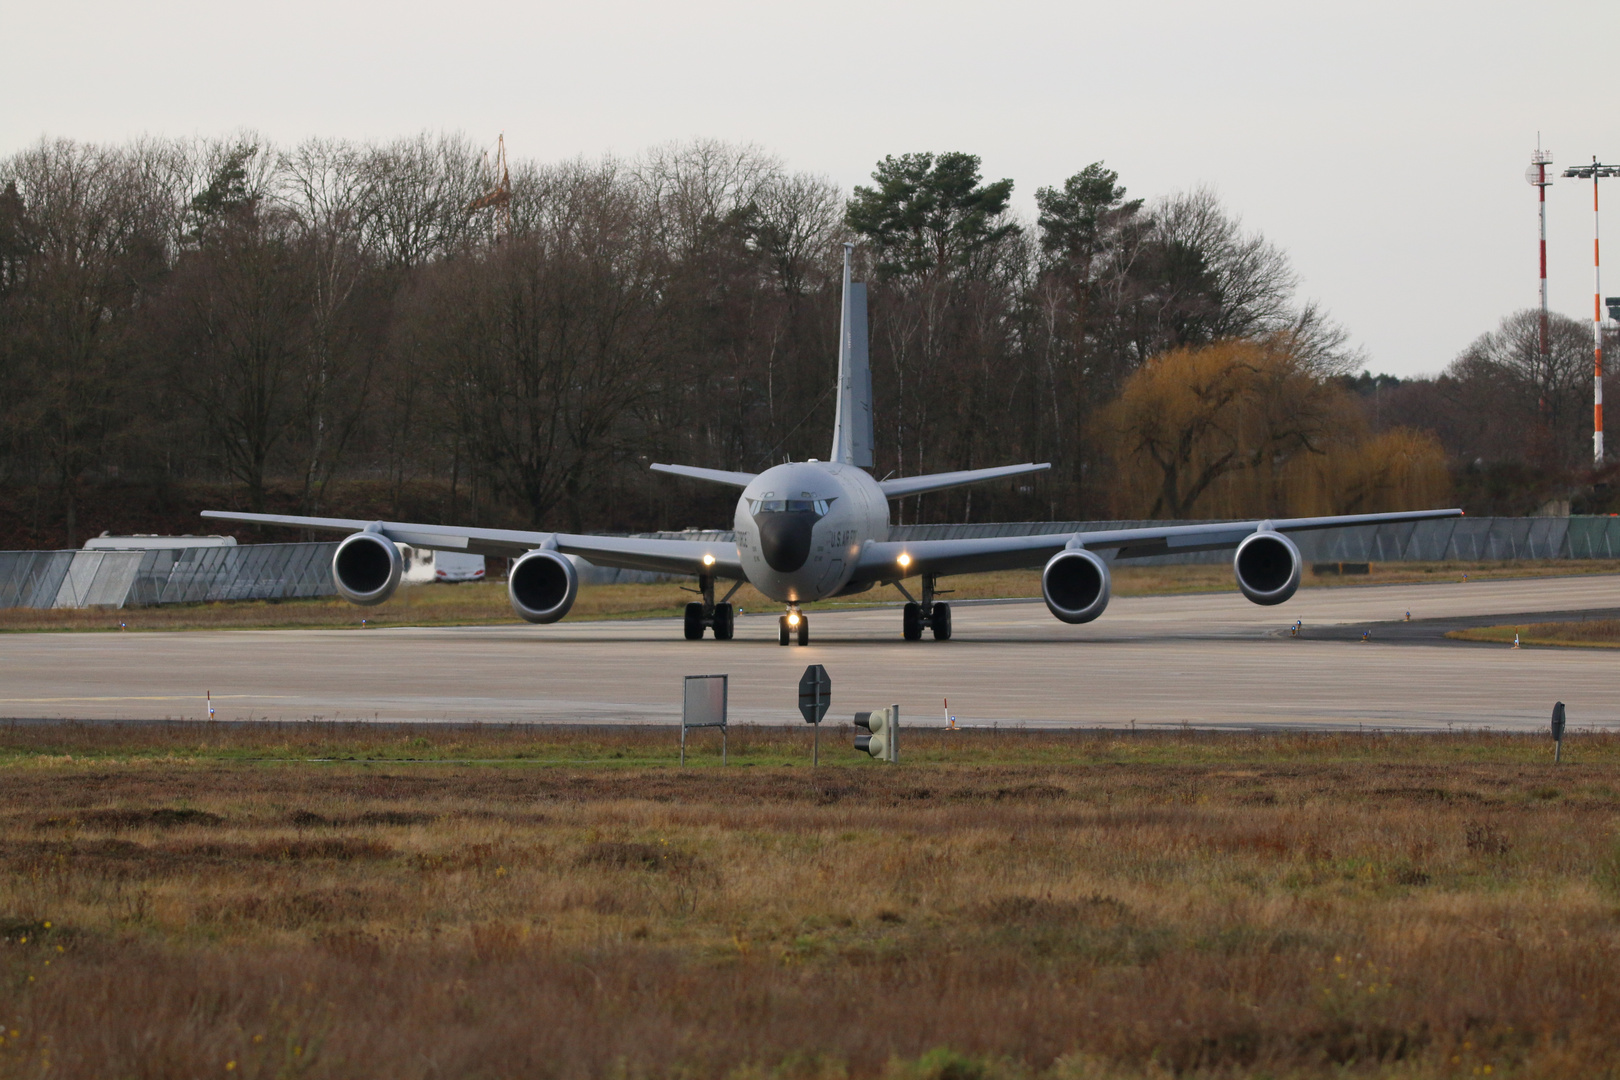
<point x="1206" y="660"/>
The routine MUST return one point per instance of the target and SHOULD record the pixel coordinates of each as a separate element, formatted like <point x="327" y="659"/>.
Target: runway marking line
<point x="59" y="700"/>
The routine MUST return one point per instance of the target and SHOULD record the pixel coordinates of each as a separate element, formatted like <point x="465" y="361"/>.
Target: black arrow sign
<point x="815" y="693"/>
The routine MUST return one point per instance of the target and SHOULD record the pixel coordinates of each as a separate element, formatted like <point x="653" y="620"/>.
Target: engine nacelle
<point x="1075" y="585"/>
<point x="1267" y="566"/>
<point x="366" y="568"/>
<point x="542" y="586"/>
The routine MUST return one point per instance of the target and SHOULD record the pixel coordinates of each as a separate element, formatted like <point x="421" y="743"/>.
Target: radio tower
<point x="1537" y="175"/>
<point x="1596" y="172"/>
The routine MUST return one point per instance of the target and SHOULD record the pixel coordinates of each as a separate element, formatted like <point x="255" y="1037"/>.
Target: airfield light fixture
<point x="880" y="733"/>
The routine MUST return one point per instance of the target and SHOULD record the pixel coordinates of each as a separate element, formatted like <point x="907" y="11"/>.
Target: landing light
<point x="905" y="560"/>
<point x="793" y="618"/>
<point x="708" y="560"/>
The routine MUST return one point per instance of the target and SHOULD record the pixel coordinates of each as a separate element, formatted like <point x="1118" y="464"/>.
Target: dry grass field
<point x="1594" y="633"/>
<point x="486" y="602"/>
<point x="341" y="901"/>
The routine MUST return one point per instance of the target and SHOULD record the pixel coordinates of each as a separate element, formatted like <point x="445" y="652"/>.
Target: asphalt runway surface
<point x="1207" y="660"/>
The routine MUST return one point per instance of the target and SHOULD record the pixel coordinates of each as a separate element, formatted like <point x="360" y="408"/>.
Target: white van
<point x="422" y="566"/>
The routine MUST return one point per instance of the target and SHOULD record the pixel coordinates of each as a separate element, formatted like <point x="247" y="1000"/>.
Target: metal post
<point x="1596" y="171"/>
<point x="815" y="749"/>
<point x="1597" y="335"/>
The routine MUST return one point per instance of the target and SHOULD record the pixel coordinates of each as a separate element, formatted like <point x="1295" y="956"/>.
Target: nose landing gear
<point x="926" y="614"/>
<point x="793" y="624"/>
<point x="720" y="617"/>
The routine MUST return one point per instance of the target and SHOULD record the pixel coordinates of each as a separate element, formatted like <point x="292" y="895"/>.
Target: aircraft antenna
<point x="1536" y="174"/>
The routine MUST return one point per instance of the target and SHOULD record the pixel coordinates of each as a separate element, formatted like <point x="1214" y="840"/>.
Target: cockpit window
<point x="789" y="506"/>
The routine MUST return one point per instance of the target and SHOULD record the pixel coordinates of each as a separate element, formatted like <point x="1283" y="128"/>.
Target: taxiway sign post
<point x="815" y="697"/>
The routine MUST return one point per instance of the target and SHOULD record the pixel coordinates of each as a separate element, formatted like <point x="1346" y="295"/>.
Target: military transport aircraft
<point x="813" y="529"/>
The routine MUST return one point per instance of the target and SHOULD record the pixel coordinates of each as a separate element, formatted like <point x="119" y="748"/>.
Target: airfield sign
<point x="815" y="693"/>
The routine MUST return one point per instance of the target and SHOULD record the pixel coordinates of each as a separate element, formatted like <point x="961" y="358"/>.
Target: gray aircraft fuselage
<point x="801" y="526"/>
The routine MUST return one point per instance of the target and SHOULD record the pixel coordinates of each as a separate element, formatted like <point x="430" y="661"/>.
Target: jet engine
<point x="1267" y="566"/>
<point x="542" y="586"/>
<point x="366" y="568"/>
<point x="1075" y="584"/>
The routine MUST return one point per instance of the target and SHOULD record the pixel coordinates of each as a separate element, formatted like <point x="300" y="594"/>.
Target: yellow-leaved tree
<point x="1244" y="428"/>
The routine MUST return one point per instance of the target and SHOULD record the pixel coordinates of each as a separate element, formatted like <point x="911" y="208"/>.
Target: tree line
<point x="393" y="328"/>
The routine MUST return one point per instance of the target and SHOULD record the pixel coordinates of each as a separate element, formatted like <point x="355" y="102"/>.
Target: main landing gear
<point x="793" y="624"/>
<point x="925" y="615"/>
<point x="708" y="614"/>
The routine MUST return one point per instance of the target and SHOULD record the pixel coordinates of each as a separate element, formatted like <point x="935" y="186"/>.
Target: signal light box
<point x="882" y="738"/>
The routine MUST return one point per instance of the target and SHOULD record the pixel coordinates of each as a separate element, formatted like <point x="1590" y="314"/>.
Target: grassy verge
<point x="1179" y="904"/>
<point x="38" y="743"/>
<point x="1591" y="633"/>
<point x="486" y="602"/>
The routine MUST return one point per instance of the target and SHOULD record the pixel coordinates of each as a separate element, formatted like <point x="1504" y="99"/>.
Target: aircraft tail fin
<point x="852" y="428"/>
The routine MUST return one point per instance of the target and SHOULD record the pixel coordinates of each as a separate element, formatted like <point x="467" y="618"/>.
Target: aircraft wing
<point x="882" y="562"/>
<point x="622" y="552"/>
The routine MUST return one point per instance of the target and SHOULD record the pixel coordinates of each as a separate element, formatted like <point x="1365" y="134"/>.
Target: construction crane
<point x="498" y="197"/>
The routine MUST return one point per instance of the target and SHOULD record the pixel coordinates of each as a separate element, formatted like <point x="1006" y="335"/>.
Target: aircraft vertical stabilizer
<point x="852" y="430"/>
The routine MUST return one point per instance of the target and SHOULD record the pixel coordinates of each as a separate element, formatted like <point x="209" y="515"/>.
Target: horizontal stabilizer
<point x="713" y="476"/>
<point x="916" y="485"/>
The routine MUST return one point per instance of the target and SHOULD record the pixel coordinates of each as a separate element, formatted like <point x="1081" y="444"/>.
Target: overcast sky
<point x="1383" y="145"/>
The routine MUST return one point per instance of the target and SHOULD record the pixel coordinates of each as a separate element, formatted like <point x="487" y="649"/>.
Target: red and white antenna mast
<point x="1596" y="172"/>
<point x="1539" y="179"/>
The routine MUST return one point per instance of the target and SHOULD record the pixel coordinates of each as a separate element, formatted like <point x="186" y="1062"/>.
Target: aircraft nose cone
<point x="784" y="538"/>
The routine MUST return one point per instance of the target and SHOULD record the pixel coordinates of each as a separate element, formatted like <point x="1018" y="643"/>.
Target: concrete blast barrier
<point x="99" y="578"/>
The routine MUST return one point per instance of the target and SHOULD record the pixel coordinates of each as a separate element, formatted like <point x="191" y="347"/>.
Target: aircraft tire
<point x="911" y="622"/>
<point x="781" y="630"/>
<point x="724" y="622"/>
<point x="804" y="630"/>
<point x="694" y="621"/>
<point x="942" y="622"/>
